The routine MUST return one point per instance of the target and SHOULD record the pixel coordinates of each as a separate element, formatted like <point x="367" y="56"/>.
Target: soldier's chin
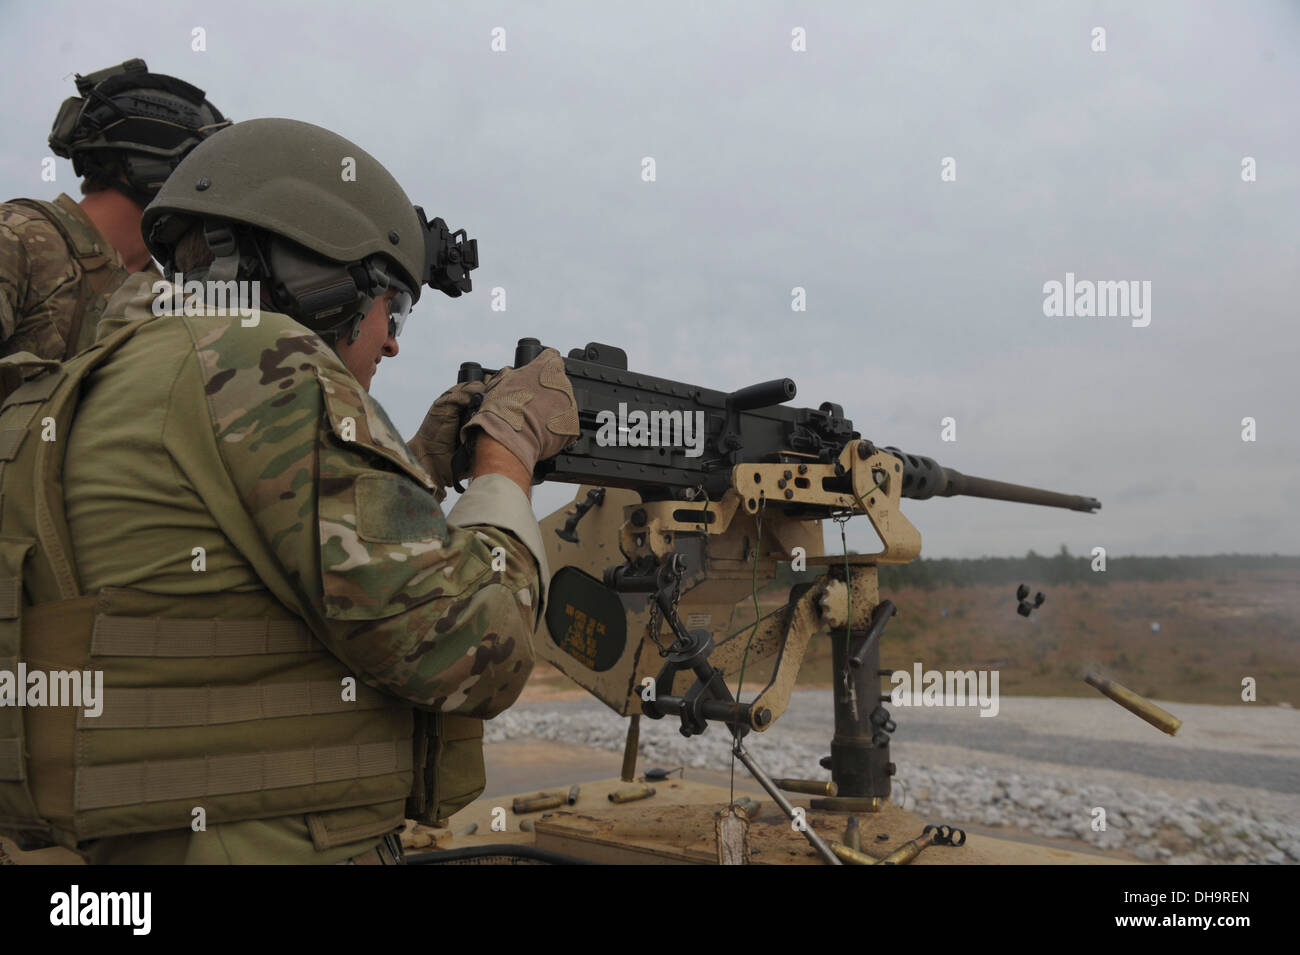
<point x="364" y="376"/>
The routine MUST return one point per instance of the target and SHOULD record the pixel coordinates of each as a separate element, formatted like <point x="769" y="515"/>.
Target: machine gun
<point x="677" y="439"/>
<point x="688" y="490"/>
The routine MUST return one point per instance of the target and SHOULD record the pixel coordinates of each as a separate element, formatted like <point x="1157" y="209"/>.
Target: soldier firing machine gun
<point x="691" y="524"/>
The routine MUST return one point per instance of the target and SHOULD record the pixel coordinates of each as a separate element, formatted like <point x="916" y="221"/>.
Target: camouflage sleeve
<point x="13" y="281"/>
<point x="440" y="616"/>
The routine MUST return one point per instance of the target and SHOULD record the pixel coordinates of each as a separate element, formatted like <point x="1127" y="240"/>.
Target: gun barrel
<point x="962" y="484"/>
<point x="925" y="478"/>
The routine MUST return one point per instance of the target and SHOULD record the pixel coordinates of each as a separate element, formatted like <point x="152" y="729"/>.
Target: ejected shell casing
<point x="1165" y="722"/>
<point x="537" y="803"/>
<point x="848" y="803"/>
<point x="853" y="834"/>
<point x="528" y="824"/>
<point x="909" y="850"/>
<point x="573" y="794"/>
<point x="631" y="793"/>
<point x="814" y="787"/>
<point x="850" y="856"/>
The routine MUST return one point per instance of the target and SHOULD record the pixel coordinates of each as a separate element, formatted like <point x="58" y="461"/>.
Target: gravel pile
<point x="1151" y="824"/>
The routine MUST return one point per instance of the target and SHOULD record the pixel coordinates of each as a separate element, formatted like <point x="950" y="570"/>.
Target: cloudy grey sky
<point x="821" y="169"/>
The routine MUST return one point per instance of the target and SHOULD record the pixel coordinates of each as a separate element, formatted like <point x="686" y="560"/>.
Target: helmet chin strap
<point x="225" y="249"/>
<point x="236" y="254"/>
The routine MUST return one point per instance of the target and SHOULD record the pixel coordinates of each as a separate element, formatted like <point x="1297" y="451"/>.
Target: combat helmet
<point x="131" y="122"/>
<point x="318" y="219"/>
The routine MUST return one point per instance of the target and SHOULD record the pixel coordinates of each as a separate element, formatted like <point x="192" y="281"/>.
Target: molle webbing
<point x="215" y="705"/>
<point x="26" y="383"/>
<point x="246" y="717"/>
<point x="178" y="637"/>
<point x="134" y="784"/>
<point x="10" y="598"/>
<point x="18" y="813"/>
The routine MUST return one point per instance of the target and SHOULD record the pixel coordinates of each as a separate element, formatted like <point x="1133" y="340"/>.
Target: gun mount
<point x="677" y="531"/>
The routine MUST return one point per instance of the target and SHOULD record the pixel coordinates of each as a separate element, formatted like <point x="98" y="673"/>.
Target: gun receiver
<point x="667" y="440"/>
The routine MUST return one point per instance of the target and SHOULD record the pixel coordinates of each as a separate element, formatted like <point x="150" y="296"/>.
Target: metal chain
<point x="655" y="623"/>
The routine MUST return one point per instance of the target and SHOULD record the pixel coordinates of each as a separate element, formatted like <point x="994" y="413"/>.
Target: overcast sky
<point x="822" y="169"/>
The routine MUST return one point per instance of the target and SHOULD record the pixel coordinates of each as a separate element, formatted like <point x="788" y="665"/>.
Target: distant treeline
<point x="1061" y="568"/>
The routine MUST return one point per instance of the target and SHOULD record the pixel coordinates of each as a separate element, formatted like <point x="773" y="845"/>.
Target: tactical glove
<point x="531" y="410"/>
<point x="435" y="442"/>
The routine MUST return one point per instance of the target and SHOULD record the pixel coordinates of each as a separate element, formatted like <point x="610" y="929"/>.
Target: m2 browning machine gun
<point x="696" y="488"/>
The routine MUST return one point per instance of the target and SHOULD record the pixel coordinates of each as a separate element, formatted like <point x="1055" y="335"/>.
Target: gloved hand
<point x="435" y="442"/>
<point x="531" y="410"/>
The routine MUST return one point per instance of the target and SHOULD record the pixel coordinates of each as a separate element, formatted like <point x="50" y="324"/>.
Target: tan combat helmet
<point x="311" y="213"/>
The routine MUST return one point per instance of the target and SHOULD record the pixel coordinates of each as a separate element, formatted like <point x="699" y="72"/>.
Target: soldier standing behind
<point x="60" y="261"/>
<point x="297" y="648"/>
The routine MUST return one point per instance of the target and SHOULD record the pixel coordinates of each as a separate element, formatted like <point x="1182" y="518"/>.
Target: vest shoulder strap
<point x="84" y="242"/>
<point x="45" y="399"/>
<point x="88" y="248"/>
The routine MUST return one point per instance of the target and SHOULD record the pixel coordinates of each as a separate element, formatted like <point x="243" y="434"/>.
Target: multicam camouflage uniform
<point x="256" y="444"/>
<point x="52" y="293"/>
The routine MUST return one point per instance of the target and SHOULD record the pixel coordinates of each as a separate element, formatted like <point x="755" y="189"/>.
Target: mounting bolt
<point x="781" y="483"/>
<point x="863" y="451"/>
<point x="638" y="517"/>
<point x="788" y="494"/>
<point x="803" y="469"/>
<point x="787" y="475"/>
<point x="203" y="183"/>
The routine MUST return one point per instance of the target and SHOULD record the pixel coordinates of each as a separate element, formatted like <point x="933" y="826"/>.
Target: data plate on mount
<point x="586" y="619"/>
